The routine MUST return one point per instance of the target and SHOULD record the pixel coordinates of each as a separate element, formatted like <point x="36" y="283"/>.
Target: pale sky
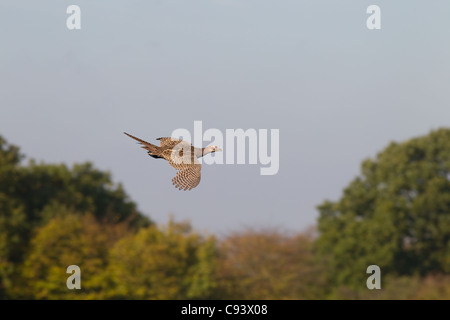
<point x="337" y="91"/>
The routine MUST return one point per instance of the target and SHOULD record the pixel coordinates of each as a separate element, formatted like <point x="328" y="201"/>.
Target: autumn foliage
<point x="396" y="214"/>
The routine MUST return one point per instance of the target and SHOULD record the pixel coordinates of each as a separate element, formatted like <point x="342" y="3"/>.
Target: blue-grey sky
<point x="338" y="93"/>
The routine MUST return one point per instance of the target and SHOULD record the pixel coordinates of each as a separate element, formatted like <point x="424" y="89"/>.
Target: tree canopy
<point x="31" y="195"/>
<point x="395" y="214"/>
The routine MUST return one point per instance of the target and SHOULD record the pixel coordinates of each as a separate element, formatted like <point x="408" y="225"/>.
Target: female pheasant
<point x="182" y="156"/>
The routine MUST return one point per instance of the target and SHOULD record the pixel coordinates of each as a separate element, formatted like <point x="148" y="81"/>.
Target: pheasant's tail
<point x="151" y="148"/>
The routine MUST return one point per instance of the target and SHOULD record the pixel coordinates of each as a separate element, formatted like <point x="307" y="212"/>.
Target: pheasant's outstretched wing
<point x="189" y="167"/>
<point x="188" y="178"/>
<point x="169" y="142"/>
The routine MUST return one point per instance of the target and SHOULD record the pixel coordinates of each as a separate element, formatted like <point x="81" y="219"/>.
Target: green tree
<point x="32" y="195"/>
<point x="12" y="217"/>
<point x="169" y="263"/>
<point x="12" y="226"/>
<point x="395" y="214"/>
<point x="82" y="188"/>
<point x="68" y="239"/>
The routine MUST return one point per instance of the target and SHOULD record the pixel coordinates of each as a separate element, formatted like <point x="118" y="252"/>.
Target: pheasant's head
<point x="211" y="148"/>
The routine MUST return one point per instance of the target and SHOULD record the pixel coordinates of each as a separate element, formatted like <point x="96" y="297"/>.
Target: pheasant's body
<point x="182" y="156"/>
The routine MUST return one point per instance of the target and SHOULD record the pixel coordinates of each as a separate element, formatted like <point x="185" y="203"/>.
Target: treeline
<point x="396" y="215"/>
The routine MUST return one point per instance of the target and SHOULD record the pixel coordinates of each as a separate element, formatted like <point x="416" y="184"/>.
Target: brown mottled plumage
<point x="182" y="156"/>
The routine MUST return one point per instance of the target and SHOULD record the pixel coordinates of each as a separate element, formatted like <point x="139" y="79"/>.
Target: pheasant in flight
<point x="182" y="156"/>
